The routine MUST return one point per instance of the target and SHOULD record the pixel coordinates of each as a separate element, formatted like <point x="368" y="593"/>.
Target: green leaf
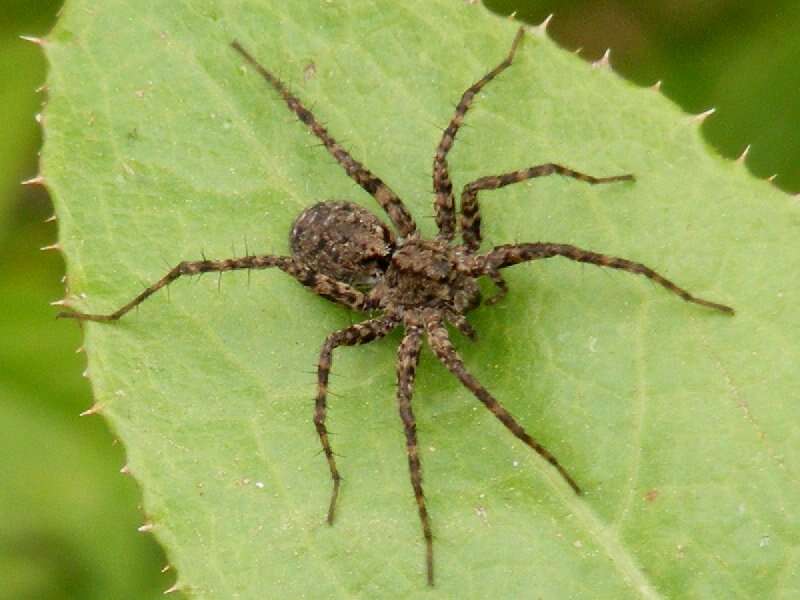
<point x="68" y="517"/>
<point x="679" y="422"/>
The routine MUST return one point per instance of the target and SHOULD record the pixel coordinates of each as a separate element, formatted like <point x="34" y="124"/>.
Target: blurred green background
<point x="67" y="518"/>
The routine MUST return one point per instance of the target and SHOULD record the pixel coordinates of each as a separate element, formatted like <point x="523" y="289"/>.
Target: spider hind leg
<point x="407" y="359"/>
<point x="443" y="348"/>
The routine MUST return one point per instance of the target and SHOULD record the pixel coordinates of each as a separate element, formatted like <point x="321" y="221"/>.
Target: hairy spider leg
<point x="389" y="201"/>
<point x="360" y="333"/>
<point x="470" y="211"/>
<point x="444" y="202"/>
<point x="439" y="341"/>
<point x="500" y="284"/>
<point x="460" y="322"/>
<point x="511" y="254"/>
<point x="323" y="285"/>
<point x="407" y="359"/>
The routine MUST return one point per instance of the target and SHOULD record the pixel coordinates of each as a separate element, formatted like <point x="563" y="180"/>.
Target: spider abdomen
<point x="344" y="241"/>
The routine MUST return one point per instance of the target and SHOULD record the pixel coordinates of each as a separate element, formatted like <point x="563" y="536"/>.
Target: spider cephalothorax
<point x="344" y="253"/>
<point x="426" y="274"/>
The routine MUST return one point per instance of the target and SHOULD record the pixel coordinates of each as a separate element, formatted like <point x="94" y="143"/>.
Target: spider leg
<point x="470" y="211"/>
<point x="507" y="255"/>
<point x="321" y="284"/>
<point x="443" y="348"/>
<point x="442" y="186"/>
<point x="407" y="359"/>
<point x="500" y="283"/>
<point x="460" y="322"/>
<point x="360" y="333"/>
<point x="389" y="201"/>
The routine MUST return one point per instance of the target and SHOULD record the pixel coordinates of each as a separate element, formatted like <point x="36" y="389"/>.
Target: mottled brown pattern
<point x="345" y="254"/>
<point x="389" y="201"/>
<point x="444" y="202"/>
<point x="470" y="211"/>
<point x="360" y="333"/>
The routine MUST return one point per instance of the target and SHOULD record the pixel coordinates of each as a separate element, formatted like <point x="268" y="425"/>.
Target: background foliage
<point x="71" y="519"/>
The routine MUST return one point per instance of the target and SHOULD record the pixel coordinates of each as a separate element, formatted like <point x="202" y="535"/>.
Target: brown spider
<point x="345" y="254"/>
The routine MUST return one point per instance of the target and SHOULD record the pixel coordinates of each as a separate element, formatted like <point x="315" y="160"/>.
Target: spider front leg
<point x="444" y="202"/>
<point x="374" y="185"/>
<point x="407" y="360"/>
<point x="321" y="284"/>
<point x="360" y="333"/>
<point x="470" y="211"/>
<point x="442" y="347"/>
<point x="511" y="254"/>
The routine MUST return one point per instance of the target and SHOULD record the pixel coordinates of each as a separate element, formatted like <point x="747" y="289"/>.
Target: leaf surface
<point x="681" y="424"/>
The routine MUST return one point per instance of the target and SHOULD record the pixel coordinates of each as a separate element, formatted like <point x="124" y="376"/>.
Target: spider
<point x="344" y="253"/>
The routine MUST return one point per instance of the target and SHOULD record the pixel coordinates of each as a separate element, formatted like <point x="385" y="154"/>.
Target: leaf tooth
<point x="62" y="302"/>
<point x="541" y="28"/>
<point x="145" y="528"/>
<point x="172" y="589"/>
<point x="50" y="219"/>
<point x="604" y="62"/>
<point x="656" y="87"/>
<point x="38" y="180"/>
<point x="85" y="373"/>
<point x="743" y="156"/>
<point x="33" y="40"/>
<point x="166" y="568"/>
<point x="94" y="409"/>
<point x="125" y="470"/>
<point x="512" y="16"/>
<point x="39" y="118"/>
<point x="772" y="177"/>
<point x="699" y="118"/>
<point x="55" y="246"/>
